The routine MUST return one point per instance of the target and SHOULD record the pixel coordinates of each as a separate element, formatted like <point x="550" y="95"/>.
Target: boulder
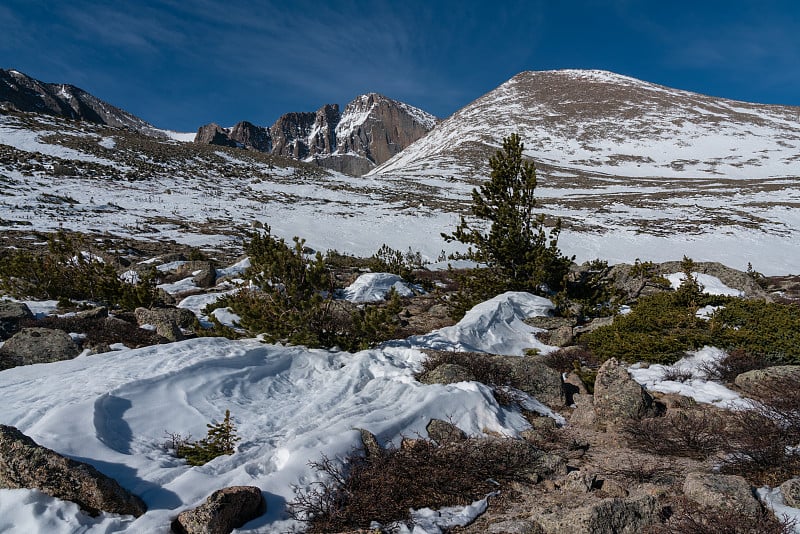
<point x="203" y="272"/>
<point x="618" y="397"/>
<point x="759" y="382"/>
<point x="24" y="464"/>
<point x="11" y="314"/>
<point x="590" y="515"/>
<point x="443" y="432"/>
<point x="223" y="511"/>
<point x="725" y="492"/>
<point x="583" y="415"/>
<point x="447" y="373"/>
<point x="37" y="345"/>
<point x="168" y="321"/>
<point x="532" y="375"/>
<point x="791" y="492"/>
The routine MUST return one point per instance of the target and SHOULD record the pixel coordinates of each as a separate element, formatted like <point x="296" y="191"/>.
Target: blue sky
<point x="182" y="63"/>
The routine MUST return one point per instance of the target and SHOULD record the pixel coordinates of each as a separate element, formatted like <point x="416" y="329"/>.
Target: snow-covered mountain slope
<point x="28" y="94"/>
<point x="77" y="175"/>
<point x="597" y="122"/>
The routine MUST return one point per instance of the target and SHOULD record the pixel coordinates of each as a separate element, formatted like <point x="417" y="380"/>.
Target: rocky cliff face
<point x="371" y="130"/>
<point x="23" y="93"/>
<point x="249" y="135"/>
<point x="377" y="128"/>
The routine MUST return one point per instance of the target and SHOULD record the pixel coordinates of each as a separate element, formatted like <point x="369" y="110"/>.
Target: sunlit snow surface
<point x="290" y="405"/>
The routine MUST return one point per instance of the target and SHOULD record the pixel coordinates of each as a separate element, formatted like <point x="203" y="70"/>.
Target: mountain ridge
<point x="371" y="130"/>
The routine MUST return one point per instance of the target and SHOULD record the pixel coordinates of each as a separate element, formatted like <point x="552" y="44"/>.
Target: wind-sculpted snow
<point x="494" y="326"/>
<point x="290" y="405"/>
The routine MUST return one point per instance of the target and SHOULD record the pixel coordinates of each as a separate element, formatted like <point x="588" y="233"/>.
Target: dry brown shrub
<point x="735" y="363"/>
<point x="687" y="517"/>
<point x="687" y="433"/>
<point x="383" y="487"/>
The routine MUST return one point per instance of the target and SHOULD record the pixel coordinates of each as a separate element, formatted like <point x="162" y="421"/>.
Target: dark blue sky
<point x="182" y="63"/>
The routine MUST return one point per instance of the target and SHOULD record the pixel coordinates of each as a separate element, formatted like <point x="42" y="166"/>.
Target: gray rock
<point x="94" y="313"/>
<point x="770" y="380"/>
<point x="531" y="375"/>
<point x="583" y="415"/>
<point x="11" y="314"/>
<point x="24" y="464"/>
<point x="561" y="337"/>
<point x="168" y="321"/>
<point x="37" y="345"/>
<point x="372" y="448"/>
<point x="791" y="492"/>
<point x="618" y="397"/>
<point x="223" y="511"/>
<point x="599" y="516"/>
<point x="725" y="492"/>
<point x="207" y="275"/>
<point x="447" y="373"/>
<point x="443" y="432"/>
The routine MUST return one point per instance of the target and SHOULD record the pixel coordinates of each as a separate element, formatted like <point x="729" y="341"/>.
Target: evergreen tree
<point x="517" y="251"/>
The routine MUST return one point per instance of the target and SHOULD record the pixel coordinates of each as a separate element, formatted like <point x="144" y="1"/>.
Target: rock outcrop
<point x="248" y="135"/>
<point x="213" y="134"/>
<point x="724" y="492"/>
<point x="11" y="314"/>
<point x="167" y="321"/>
<point x="290" y="134"/>
<point x="25" y="464"/>
<point x="770" y="381"/>
<point x="37" y="345"/>
<point x="223" y="511"/>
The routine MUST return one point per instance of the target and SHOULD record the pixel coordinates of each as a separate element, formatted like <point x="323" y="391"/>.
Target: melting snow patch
<point x="773" y="498"/>
<point x="427" y="521"/>
<point x="710" y="284"/>
<point x="696" y="387"/>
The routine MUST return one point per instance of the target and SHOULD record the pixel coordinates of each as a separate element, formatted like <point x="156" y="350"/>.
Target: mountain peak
<point x="64" y="100"/>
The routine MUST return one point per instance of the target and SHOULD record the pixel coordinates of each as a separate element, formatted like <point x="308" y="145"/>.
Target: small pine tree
<point x="221" y="439"/>
<point x="517" y="251"/>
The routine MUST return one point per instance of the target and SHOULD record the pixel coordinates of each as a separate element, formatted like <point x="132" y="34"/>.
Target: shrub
<point x="292" y="301"/>
<point x="693" y="434"/>
<point x="220" y="440"/>
<point x="688" y="517"/>
<point x="389" y="260"/>
<point x="384" y="486"/>
<point x="71" y="271"/>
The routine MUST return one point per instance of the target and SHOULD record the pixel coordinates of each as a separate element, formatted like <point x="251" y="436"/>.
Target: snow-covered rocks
<point x="374" y="287"/>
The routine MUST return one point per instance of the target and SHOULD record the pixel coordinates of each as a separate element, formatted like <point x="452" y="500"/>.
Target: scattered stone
<point x="725" y="492"/>
<point x="791" y="492"/>
<point x="223" y="511"/>
<point x="24" y="464"/>
<point x="447" y="373"/>
<point x="37" y="345"/>
<point x="443" y="432"/>
<point x="618" y="397"/>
